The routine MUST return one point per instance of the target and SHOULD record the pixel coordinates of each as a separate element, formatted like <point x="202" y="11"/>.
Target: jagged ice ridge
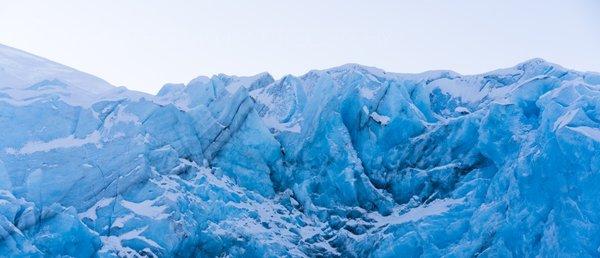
<point x="351" y="161"/>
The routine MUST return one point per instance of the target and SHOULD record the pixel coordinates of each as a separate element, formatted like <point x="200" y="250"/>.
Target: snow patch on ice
<point x="592" y="133"/>
<point x="453" y="87"/>
<point x="381" y="119"/>
<point x="91" y="212"/>
<point x="146" y="208"/>
<point x="60" y="143"/>
<point x="565" y="119"/>
<point x="120" y="221"/>
<point x="436" y="207"/>
<point x="463" y="110"/>
<point x="115" y="243"/>
<point x="272" y="122"/>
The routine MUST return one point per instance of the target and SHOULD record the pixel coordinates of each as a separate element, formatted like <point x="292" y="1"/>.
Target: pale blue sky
<point x="145" y="44"/>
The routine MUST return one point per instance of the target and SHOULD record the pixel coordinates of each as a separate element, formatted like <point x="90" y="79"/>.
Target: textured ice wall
<point x="349" y="161"/>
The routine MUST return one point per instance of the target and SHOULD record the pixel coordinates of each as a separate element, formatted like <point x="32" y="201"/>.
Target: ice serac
<point x="350" y="161"/>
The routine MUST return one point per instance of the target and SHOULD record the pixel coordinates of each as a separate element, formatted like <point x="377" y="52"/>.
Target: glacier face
<point x="351" y="161"/>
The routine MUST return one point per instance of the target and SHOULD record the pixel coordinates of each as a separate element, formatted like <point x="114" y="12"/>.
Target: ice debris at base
<point x="351" y="161"/>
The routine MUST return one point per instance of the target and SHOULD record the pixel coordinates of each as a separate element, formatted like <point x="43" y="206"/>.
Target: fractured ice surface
<point x="349" y="161"/>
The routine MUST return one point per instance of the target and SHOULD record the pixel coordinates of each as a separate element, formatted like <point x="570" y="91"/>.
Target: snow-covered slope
<point x="19" y="69"/>
<point x="351" y="161"/>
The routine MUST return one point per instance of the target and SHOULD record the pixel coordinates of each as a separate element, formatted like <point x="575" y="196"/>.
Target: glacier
<point x="351" y="161"/>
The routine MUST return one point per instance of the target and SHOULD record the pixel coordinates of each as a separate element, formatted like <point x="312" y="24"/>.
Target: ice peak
<point x="536" y="61"/>
<point x="358" y="68"/>
<point x="19" y="69"/>
<point x="538" y="65"/>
